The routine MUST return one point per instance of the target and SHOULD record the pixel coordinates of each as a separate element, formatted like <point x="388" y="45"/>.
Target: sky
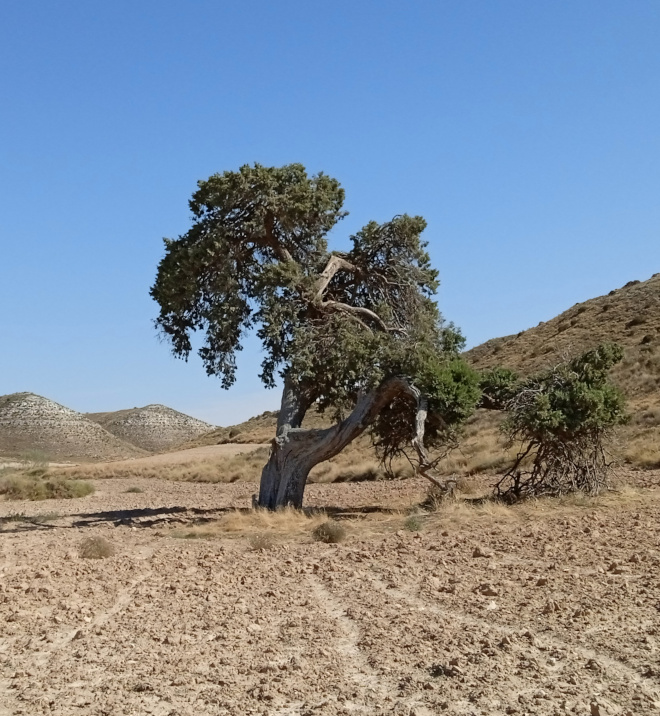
<point x="526" y="133"/>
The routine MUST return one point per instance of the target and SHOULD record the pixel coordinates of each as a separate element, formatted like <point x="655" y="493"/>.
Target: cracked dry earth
<point x="541" y="609"/>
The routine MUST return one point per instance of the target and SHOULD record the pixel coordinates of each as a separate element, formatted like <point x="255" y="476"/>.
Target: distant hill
<point x="154" y="427"/>
<point x="30" y="423"/>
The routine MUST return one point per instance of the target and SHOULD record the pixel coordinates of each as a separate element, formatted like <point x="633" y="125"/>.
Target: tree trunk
<point x="295" y="451"/>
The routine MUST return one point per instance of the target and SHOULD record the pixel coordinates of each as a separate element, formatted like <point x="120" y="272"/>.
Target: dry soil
<point x="547" y="608"/>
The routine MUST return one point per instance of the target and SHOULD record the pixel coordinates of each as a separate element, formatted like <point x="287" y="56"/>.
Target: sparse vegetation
<point x="37" y="484"/>
<point x="135" y="490"/>
<point x="96" y="548"/>
<point x="414" y="523"/>
<point x="261" y="541"/>
<point x="330" y="532"/>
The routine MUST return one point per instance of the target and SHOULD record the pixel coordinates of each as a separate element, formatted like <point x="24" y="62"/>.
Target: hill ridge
<point x="30" y="422"/>
<point x="154" y="427"/>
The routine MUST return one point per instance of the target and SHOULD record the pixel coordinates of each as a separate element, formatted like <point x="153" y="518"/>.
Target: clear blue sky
<point x="526" y="133"/>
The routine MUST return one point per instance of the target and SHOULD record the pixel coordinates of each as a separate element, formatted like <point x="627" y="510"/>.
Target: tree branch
<point x="335" y="264"/>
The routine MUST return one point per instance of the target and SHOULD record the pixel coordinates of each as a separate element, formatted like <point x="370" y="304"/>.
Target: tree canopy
<point x="335" y="326"/>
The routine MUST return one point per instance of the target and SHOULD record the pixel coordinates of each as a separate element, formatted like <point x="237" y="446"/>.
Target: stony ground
<point x="548" y="608"/>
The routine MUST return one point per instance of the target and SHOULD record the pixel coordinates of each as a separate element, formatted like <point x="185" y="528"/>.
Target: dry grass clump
<point x="95" y="548"/>
<point x="38" y="485"/>
<point x="414" y="523"/>
<point x="261" y="541"/>
<point x="330" y="532"/>
<point x="285" y="523"/>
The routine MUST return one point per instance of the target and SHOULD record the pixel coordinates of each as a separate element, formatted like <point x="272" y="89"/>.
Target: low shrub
<point x="29" y="486"/>
<point x="261" y="541"/>
<point x="95" y="548"/>
<point x="414" y="523"/>
<point x="330" y="532"/>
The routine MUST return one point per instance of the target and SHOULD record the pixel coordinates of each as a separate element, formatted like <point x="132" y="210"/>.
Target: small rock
<point x="541" y="582"/>
<point x="550" y="607"/>
<point x="479" y="552"/>
<point x="487" y="590"/>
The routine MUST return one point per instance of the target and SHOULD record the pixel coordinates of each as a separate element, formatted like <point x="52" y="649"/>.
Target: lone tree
<point x="561" y="419"/>
<point x="355" y="333"/>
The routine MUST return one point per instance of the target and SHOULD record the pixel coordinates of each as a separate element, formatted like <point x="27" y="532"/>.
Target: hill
<point x="629" y="316"/>
<point x="154" y="427"/>
<point x="30" y="423"/>
<point x="260" y="429"/>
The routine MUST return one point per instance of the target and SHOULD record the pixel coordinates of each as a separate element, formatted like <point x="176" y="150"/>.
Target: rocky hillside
<point x="154" y="428"/>
<point x="30" y="423"/>
<point x="630" y="316"/>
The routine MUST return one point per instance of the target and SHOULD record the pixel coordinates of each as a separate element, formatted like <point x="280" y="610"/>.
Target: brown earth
<point x="543" y="608"/>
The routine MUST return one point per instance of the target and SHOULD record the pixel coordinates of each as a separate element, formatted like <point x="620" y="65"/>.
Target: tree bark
<point x="294" y="451"/>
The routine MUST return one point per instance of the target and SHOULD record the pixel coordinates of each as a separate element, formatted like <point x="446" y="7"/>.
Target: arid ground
<point x="550" y="607"/>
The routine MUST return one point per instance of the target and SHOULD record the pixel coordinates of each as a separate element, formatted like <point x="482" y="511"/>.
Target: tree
<point x="561" y="419"/>
<point x="355" y="333"/>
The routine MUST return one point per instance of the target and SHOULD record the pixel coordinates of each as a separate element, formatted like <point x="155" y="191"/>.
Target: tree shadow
<point x="150" y="517"/>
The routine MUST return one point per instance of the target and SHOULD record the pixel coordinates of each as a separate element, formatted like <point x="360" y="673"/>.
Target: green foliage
<point x="258" y="234"/>
<point x="561" y="418"/>
<point x="498" y="387"/>
<point x="255" y="258"/>
<point x="572" y="399"/>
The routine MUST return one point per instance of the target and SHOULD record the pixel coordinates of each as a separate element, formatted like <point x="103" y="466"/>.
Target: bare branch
<point x="335" y="264"/>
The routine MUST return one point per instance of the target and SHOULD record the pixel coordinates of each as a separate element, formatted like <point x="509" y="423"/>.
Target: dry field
<point x="204" y="607"/>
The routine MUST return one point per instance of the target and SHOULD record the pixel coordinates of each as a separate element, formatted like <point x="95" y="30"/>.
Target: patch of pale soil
<point x="545" y="609"/>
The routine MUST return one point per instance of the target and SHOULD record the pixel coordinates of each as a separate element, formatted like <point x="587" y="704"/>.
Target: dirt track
<point x="561" y="616"/>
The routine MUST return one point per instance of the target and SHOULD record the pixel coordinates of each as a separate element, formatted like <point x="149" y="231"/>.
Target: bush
<point x="330" y="532"/>
<point x="498" y="386"/>
<point x="260" y="541"/>
<point x="95" y="548"/>
<point x="414" y="523"/>
<point x="32" y="486"/>
<point x="561" y="419"/>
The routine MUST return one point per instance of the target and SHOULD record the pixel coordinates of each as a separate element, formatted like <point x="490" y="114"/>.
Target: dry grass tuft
<point x="330" y="532"/>
<point x="261" y="541"/>
<point x="414" y="523"/>
<point x="282" y="524"/>
<point x="95" y="548"/>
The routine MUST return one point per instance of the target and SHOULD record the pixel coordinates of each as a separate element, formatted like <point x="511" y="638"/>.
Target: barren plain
<point x="208" y="608"/>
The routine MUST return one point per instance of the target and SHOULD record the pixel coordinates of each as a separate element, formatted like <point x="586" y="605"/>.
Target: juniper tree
<point x="355" y="333"/>
<point x="561" y="419"/>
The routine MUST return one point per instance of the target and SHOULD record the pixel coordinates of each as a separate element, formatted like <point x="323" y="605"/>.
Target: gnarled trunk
<point x="295" y="451"/>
